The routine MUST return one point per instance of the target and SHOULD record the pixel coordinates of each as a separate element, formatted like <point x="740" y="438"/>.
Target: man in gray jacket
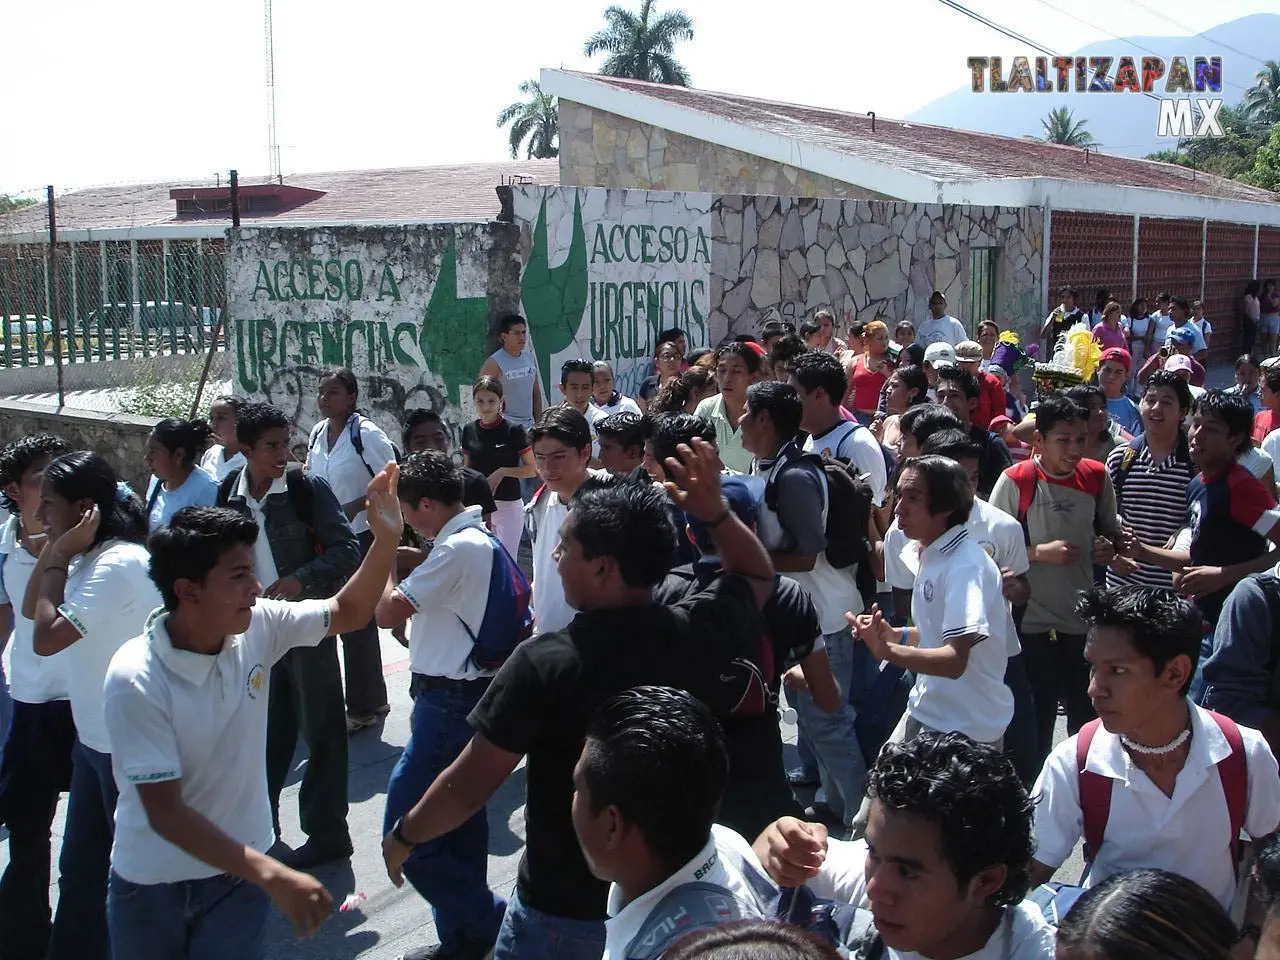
<point x="305" y="550"/>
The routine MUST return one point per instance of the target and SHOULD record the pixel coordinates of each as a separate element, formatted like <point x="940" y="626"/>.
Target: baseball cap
<point x="940" y="354"/>
<point x="1178" y="362"/>
<point x="1183" y="335"/>
<point x="998" y="422"/>
<point x="1120" y="355"/>
<point x="744" y="495"/>
<point x="968" y="351"/>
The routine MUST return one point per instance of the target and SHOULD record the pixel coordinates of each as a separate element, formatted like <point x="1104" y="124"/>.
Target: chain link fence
<point x="113" y="325"/>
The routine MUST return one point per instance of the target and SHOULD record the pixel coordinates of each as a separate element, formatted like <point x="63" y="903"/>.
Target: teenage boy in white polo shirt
<point x="186" y="707"/>
<point x="957" y="650"/>
<point x="448" y="597"/>
<point x="1176" y="791"/>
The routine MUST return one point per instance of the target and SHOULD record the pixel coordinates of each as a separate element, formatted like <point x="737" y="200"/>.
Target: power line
<point x="1196" y="33"/>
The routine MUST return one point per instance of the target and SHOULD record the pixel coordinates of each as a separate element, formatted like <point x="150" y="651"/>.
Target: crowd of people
<point x="874" y="533"/>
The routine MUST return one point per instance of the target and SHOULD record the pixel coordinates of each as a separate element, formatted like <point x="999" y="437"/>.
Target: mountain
<point x="1122" y="123"/>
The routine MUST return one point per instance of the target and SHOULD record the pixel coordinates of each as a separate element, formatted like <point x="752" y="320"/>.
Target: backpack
<point x="1026" y="478"/>
<point x="357" y="441"/>
<point x="849" y="505"/>
<point x="507" y="621"/>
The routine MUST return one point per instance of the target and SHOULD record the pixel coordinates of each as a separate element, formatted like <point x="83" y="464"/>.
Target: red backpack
<point x="1095" y="789"/>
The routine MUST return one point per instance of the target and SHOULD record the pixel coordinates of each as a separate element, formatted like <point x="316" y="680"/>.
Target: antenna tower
<point x="273" y="146"/>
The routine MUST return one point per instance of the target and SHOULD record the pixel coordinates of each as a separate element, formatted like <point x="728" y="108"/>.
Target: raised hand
<point x="385" y="518"/>
<point x="79" y="538"/>
<point x="695" y="480"/>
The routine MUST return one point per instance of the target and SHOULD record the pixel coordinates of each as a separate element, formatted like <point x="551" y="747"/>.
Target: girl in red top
<point x="869" y="372"/>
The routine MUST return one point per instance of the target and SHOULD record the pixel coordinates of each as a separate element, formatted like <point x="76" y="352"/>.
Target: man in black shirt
<point x="424" y="430"/>
<point x="615" y="547"/>
<point x="958" y="392"/>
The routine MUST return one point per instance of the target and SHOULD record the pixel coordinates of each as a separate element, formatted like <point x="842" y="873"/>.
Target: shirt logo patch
<point x="257" y="677"/>
<point x="926" y="589"/>
<point x="1194" y="516"/>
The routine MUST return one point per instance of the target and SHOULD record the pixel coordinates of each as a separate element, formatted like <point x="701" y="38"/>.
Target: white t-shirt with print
<point x="857" y="445"/>
<point x="347" y="472"/>
<point x="946" y="329"/>
<point x="958" y="593"/>
<point x="999" y="535"/>
<point x="108" y="598"/>
<point x="201" y="719"/>
<point x="32" y="678"/>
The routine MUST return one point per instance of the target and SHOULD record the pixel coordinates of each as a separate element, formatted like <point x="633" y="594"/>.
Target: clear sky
<point x="138" y="90"/>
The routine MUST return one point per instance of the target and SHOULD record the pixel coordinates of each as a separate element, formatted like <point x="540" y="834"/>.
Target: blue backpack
<point x="508" y="621"/>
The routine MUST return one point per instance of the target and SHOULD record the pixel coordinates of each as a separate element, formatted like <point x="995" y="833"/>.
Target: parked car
<point x="152" y="317"/>
<point x="19" y="329"/>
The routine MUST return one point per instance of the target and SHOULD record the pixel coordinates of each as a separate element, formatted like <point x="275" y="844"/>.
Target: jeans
<point x="1057" y="670"/>
<point x="306" y="695"/>
<point x="832" y="736"/>
<point x="217" y="918"/>
<point x="35" y="769"/>
<point x="6" y="706"/>
<point x="529" y="934"/>
<point x="449" y="872"/>
<point x="80" y="923"/>
<point x="1022" y="736"/>
<point x="362" y="659"/>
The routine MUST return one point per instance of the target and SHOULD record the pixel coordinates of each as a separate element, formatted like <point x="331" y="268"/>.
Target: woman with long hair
<point x="683" y="394"/>
<point x="224" y="456"/>
<point x="347" y="449"/>
<point x="988" y="337"/>
<point x="738" y="366"/>
<point x="869" y="372"/>
<point x="1146" y="915"/>
<point x="499" y="449"/>
<point x="174" y="451"/>
<point x="91" y="591"/>
<point x="1140" y="332"/>
<point x="1250" y="316"/>
<point x="667" y="364"/>
<point x="907" y="387"/>
<point x="1269" y="318"/>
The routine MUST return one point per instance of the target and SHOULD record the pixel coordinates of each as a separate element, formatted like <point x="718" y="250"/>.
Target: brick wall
<point x="1228" y="260"/>
<point x="1091" y="250"/>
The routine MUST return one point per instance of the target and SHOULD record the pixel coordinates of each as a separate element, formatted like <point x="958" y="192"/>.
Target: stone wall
<point x="599" y="149"/>
<point x="784" y="257"/>
<point x="409" y="309"/>
<point x="119" y="437"/>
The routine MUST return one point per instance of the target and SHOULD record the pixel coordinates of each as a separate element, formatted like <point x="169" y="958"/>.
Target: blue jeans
<point x="832" y="736"/>
<point x="211" y="919"/>
<point x="1021" y="739"/>
<point x="80" y="922"/>
<point x="450" y="872"/>
<point x="529" y="934"/>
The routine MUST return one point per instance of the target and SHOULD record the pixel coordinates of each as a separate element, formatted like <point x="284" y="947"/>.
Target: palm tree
<point x="534" y="119"/>
<point x="1061" y="127"/>
<point x="641" y="48"/>
<point x="1262" y="100"/>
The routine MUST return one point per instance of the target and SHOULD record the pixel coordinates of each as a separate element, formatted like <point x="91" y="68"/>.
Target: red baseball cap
<point x="1119" y="355"/>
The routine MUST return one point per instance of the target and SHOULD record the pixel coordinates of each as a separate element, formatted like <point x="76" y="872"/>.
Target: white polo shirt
<point x="720" y="863"/>
<point x="449" y="587"/>
<point x="108" y="598"/>
<point x="264" y="564"/>
<point x="215" y="462"/>
<point x="32" y="678"/>
<point x="999" y="535"/>
<point x="1187" y="833"/>
<point x="347" y="473"/>
<point x="620" y="405"/>
<point x="200" y="719"/>
<point x="958" y="593"/>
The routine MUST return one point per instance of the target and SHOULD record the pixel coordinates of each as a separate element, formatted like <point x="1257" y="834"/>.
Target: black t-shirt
<point x="996" y="459"/>
<point x="489" y="448"/>
<point x="1064" y="323"/>
<point x="757" y="792"/>
<point x="649" y="387"/>
<point x="540" y="701"/>
<point x="476" y="492"/>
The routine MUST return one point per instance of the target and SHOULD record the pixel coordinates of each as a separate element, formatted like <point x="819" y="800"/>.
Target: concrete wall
<point x="779" y="257"/>
<point x="408" y="308"/>
<point x="120" y="438"/>
<point x="599" y="149"/>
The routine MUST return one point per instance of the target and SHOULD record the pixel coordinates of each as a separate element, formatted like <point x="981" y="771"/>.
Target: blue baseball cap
<point x="744" y="495"/>
<point x="1183" y="335"/>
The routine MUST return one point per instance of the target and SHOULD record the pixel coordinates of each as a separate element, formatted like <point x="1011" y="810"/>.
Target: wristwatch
<point x="398" y="834"/>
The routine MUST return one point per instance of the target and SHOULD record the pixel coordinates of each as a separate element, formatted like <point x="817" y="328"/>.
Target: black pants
<point x="1058" y="671"/>
<point x="362" y="661"/>
<point x="36" y="768"/>
<point x="306" y="695"/>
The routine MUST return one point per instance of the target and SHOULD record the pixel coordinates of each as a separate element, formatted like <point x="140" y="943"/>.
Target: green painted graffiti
<point x="554" y="297"/>
<point x="452" y="339"/>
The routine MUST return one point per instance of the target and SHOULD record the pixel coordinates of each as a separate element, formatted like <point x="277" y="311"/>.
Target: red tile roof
<point x="463" y="192"/>
<point x="942" y="153"/>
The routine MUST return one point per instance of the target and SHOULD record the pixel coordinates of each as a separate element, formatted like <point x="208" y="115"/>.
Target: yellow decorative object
<point x="1083" y="352"/>
<point x="1010" y="337"/>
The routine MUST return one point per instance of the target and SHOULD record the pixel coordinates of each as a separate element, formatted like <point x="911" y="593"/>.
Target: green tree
<point x="1266" y="162"/>
<point x="9" y="204"/>
<point x="1061" y="127"/>
<point x="640" y="46"/>
<point x="1231" y="155"/>
<point x="1262" y="100"/>
<point x="535" y="119"/>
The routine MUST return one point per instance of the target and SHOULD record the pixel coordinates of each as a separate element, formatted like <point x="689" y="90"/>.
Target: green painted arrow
<point x="454" y="335"/>
<point x="554" y="297"/>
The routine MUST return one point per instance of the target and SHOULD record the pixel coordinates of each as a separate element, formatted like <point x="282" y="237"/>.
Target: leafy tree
<point x="9" y="204"/>
<point x="1231" y="155"/>
<point x="534" y="119"/>
<point x="1061" y="127"/>
<point x="1262" y="100"/>
<point x="1266" y="162"/>
<point x="640" y="46"/>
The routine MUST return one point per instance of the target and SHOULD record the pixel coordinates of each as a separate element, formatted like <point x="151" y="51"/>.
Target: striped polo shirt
<point x="1152" y="499"/>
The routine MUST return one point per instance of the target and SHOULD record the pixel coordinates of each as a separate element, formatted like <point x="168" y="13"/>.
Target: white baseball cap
<point x="940" y="354"/>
